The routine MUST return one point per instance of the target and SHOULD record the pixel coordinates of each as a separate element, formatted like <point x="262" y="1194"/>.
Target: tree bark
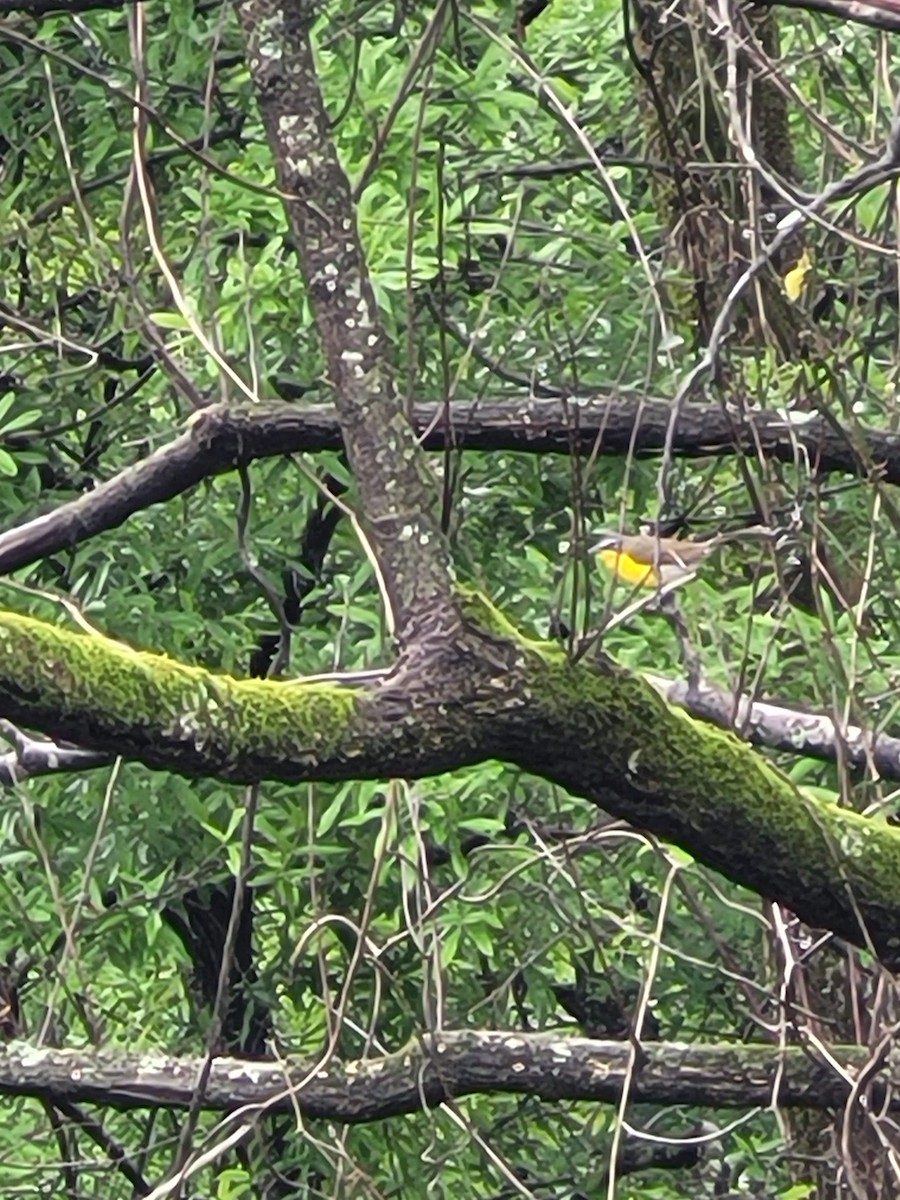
<point x="446" y="1066"/>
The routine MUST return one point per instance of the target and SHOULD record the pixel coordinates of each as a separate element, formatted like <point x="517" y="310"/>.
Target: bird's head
<point x="606" y="541"/>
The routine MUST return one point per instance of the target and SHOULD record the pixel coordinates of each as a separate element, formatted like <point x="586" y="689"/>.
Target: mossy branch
<point x="107" y="696"/>
<point x="602" y="733"/>
<point x="613" y="738"/>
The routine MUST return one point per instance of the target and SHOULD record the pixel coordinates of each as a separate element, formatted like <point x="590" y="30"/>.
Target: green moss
<point x="54" y="670"/>
<point x="708" y="791"/>
<point x="482" y="612"/>
<point x="607" y="734"/>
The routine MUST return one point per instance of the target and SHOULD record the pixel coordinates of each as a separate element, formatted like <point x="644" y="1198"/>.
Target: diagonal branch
<point x="397" y="492"/>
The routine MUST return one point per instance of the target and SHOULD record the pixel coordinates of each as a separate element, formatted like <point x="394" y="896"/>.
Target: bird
<point x="644" y="560"/>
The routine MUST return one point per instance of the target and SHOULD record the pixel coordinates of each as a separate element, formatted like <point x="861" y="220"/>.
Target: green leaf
<point x="170" y="320"/>
<point x="23" y="420"/>
<point x="329" y="817"/>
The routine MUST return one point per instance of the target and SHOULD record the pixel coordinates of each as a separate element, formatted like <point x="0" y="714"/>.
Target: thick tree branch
<point x="398" y="494"/>
<point x="446" y="1066"/>
<point x="600" y="732"/>
<point x="796" y="731"/>
<point x="219" y="438"/>
<point x="113" y="699"/>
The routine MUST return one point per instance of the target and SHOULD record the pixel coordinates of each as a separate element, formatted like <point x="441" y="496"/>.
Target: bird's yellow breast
<point x="628" y="569"/>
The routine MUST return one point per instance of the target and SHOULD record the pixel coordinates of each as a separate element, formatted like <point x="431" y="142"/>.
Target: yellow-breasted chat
<point x="644" y="560"/>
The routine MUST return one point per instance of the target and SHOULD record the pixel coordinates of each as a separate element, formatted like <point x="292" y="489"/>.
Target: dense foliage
<point x="515" y="217"/>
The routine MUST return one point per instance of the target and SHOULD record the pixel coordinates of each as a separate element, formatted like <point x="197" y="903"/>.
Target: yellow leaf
<point x="796" y="277"/>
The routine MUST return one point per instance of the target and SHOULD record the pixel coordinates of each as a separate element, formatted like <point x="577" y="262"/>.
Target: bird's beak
<point x="605" y="543"/>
